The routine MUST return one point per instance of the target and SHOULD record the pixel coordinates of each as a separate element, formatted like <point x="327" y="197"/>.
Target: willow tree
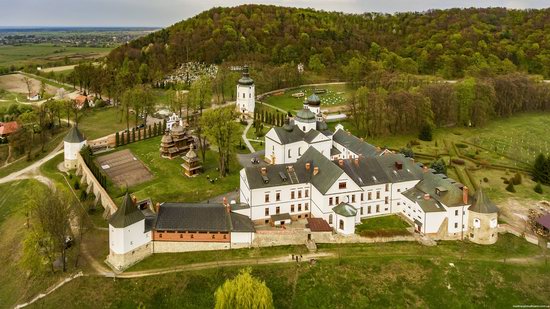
<point x="244" y="291"/>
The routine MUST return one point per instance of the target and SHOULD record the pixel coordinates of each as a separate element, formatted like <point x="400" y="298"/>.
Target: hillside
<point x="448" y="43"/>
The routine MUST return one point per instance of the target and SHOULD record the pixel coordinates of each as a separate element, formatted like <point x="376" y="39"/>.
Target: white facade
<point x="246" y="99"/>
<point x="242" y="237"/>
<point x="124" y="240"/>
<point x="71" y="151"/>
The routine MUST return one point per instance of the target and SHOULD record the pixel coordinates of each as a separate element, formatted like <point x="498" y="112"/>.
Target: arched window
<point x="330" y="219"/>
<point x="477" y="223"/>
<point x="244" y="95"/>
<point x="341" y="224"/>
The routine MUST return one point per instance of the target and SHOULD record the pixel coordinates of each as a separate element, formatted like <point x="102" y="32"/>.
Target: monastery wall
<point x="93" y="186"/>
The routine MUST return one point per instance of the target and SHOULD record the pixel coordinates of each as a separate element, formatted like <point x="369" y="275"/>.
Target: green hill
<point x="449" y="43"/>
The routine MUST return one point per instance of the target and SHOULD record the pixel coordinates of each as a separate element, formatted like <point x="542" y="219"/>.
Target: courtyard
<point x="124" y="169"/>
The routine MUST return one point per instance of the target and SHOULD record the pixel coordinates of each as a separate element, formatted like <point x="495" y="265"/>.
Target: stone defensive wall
<point x="101" y="195"/>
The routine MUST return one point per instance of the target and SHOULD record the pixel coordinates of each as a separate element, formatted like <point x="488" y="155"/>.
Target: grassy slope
<point x="365" y="275"/>
<point x="15" y="285"/>
<point x="96" y="123"/>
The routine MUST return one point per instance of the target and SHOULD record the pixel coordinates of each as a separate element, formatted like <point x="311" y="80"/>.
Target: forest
<point x="449" y="43"/>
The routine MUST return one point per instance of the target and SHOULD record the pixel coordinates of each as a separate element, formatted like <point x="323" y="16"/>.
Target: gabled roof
<point x="427" y="205"/>
<point x="7" y="128"/>
<point x="200" y="218"/>
<point x="74" y="136"/>
<point x="364" y="171"/>
<point x="127" y="214"/>
<point x="482" y="204"/>
<point x="318" y="225"/>
<point x="289" y="137"/>
<point x="328" y="172"/>
<point x="450" y="198"/>
<point x="345" y="209"/>
<point x="404" y="170"/>
<point x="311" y="135"/>
<point x="355" y="144"/>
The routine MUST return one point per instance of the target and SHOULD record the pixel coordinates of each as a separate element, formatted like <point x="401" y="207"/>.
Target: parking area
<point x="124" y="169"/>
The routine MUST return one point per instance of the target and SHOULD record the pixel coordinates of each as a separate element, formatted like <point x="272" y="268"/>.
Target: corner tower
<point x="246" y="96"/>
<point x="482" y="220"/>
<point x="129" y="236"/>
<point x="73" y="142"/>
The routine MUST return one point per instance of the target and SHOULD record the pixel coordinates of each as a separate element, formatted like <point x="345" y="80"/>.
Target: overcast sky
<point x="162" y="13"/>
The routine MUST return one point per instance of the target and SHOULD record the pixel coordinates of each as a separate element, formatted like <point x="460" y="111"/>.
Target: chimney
<point x="225" y="201"/>
<point x="425" y="168"/>
<point x="264" y="171"/>
<point x="356" y="161"/>
<point x="308" y="166"/>
<point x="315" y="170"/>
<point x="465" y="194"/>
<point x="226" y="205"/>
<point x="426" y="196"/>
<point x="341" y="162"/>
<point x="134" y="199"/>
<point x="157" y="207"/>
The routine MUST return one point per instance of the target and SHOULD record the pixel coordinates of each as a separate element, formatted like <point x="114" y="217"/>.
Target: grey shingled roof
<point x="127" y="214"/>
<point x="431" y="205"/>
<point x="409" y="170"/>
<point x="200" y="218"/>
<point x="482" y="203"/>
<point x="192" y="217"/>
<point x="345" y="209"/>
<point x="289" y="137"/>
<point x="305" y="115"/>
<point x="364" y="171"/>
<point x="355" y="144"/>
<point x="74" y="136"/>
<point x="314" y="100"/>
<point x="451" y="198"/>
<point x="245" y="79"/>
<point x="328" y="171"/>
<point x="311" y="135"/>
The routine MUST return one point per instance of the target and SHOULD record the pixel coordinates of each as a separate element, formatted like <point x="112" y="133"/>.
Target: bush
<point x="407" y="152"/>
<point x="413" y="143"/>
<point x="505" y="181"/>
<point x="516" y="180"/>
<point x="510" y="188"/>
<point x="458" y="161"/>
<point x="425" y="133"/>
<point x="538" y="188"/>
<point x="83" y="195"/>
<point x="459" y="145"/>
<point x="485" y="179"/>
<point x="76" y="185"/>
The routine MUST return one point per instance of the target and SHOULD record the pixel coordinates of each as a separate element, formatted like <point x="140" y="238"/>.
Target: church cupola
<point x="305" y="119"/>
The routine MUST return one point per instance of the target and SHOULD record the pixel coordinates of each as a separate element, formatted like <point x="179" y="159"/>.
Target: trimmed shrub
<point x="458" y="161"/>
<point x="425" y="133"/>
<point x="516" y="180"/>
<point x="76" y="185"/>
<point x="510" y="188"/>
<point x="459" y="145"/>
<point x="485" y="179"/>
<point x="538" y="188"/>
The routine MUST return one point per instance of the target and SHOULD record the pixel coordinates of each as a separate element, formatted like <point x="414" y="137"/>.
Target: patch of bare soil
<point x="15" y="83"/>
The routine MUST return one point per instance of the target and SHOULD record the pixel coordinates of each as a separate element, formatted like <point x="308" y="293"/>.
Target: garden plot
<point x="15" y="83"/>
<point x="124" y="168"/>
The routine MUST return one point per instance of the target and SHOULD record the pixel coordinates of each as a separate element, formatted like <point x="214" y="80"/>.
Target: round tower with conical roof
<point x="129" y="235"/>
<point x="73" y="142"/>
<point x="482" y="220"/>
<point x="246" y="99"/>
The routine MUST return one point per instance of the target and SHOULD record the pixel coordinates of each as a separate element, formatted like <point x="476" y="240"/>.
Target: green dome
<point x="305" y="114"/>
<point x="313" y="100"/>
<point x="245" y="79"/>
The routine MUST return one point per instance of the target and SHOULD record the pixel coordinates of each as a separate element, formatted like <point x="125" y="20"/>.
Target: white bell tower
<point x="246" y="94"/>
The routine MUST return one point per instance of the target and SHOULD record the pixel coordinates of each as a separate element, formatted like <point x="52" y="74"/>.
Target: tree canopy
<point x="244" y="291"/>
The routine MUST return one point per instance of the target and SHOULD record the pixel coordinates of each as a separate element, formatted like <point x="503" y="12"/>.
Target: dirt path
<point x="228" y="263"/>
<point x="33" y="168"/>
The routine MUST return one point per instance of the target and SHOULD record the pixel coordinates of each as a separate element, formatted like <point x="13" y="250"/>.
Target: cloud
<point x="166" y="12"/>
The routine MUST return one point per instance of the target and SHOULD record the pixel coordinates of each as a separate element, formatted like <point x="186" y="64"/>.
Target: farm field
<point x="40" y="54"/>
<point x="14" y="83"/>
<point x="377" y="275"/>
<point x="335" y="98"/>
<point x="169" y="184"/>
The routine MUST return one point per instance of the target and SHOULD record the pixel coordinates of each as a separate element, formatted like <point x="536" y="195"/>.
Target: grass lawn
<point x="169" y="183"/>
<point x="95" y="123"/>
<point x="337" y="95"/>
<point x="386" y="225"/>
<point x="16" y="285"/>
<point x="396" y="275"/>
